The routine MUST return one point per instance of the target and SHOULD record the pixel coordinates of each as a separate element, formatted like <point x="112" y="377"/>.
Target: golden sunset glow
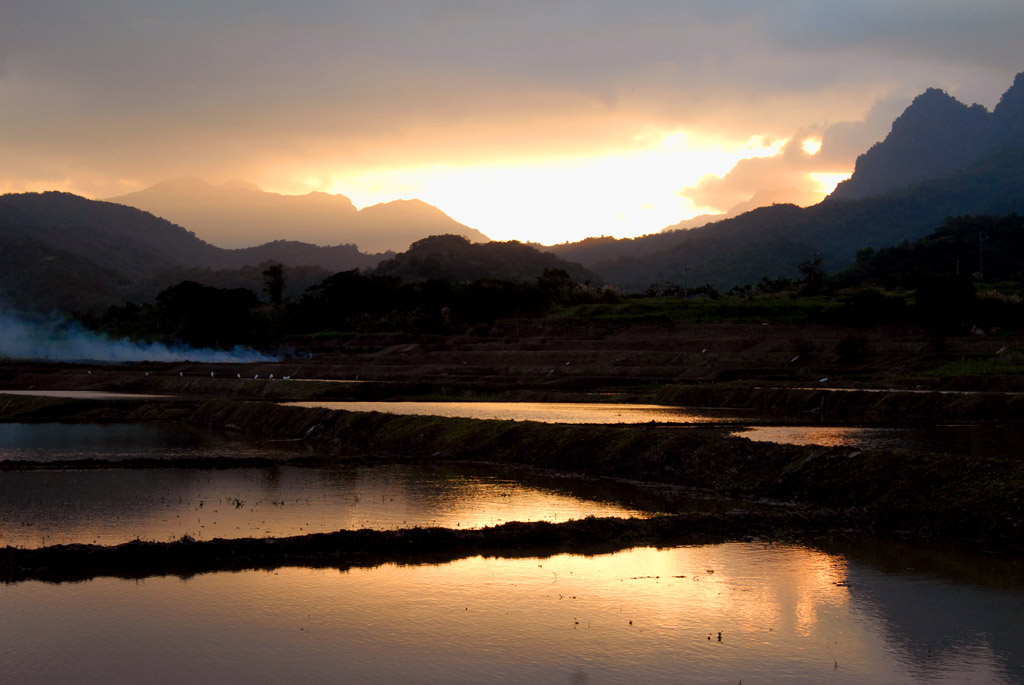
<point x="539" y="123"/>
<point x="811" y="145"/>
<point x="828" y="182"/>
<point x="628" y="193"/>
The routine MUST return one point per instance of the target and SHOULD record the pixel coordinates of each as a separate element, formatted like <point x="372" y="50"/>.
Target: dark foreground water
<point x="726" y="613"/>
<point x="120" y="441"/>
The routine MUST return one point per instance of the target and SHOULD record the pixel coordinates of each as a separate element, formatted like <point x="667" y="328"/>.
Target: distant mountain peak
<point x="936" y="136"/>
<point x="238" y="184"/>
<point x="239" y="214"/>
<point x="181" y="184"/>
<point x="1013" y="98"/>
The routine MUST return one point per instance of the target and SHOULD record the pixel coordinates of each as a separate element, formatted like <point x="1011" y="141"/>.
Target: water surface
<point x="966" y="440"/>
<point x="546" y="412"/>
<point x="86" y="394"/>
<point x="740" y="612"/>
<point x="950" y="439"/>
<point x="111" y="506"/>
<point x="46" y="442"/>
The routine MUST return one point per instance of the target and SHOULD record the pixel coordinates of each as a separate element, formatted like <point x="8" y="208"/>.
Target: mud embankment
<point x="933" y="495"/>
<point x="364" y="548"/>
<point x="836" y="406"/>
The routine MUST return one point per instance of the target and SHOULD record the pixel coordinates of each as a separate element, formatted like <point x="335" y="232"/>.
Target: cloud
<point x="120" y="94"/>
<point x="790" y="176"/>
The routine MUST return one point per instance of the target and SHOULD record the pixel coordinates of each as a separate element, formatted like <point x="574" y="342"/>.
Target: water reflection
<point x="545" y="412"/>
<point x="46" y="442"/>
<point x="86" y="394"/>
<point x="952" y="439"/>
<point x="784" y="613"/>
<point x="110" y="506"/>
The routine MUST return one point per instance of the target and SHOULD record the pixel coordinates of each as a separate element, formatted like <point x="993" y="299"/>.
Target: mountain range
<point x="941" y="158"/>
<point x="59" y="251"/>
<point x="62" y="251"/>
<point x="238" y="215"/>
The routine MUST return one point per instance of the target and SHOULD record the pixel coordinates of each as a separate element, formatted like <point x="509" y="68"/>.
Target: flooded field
<point x="46" y="442"/>
<point x="738" y="612"/>
<point x="40" y="507"/>
<point x="962" y="440"/>
<point x="967" y="439"/>
<point x="85" y="394"/>
<point x="735" y="612"/>
<point x="546" y="412"/>
<point x="111" y="506"/>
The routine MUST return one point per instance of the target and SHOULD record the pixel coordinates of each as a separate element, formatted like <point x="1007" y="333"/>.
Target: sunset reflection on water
<point x="112" y="506"/>
<point x="546" y="412"/>
<point x="785" y="613"/>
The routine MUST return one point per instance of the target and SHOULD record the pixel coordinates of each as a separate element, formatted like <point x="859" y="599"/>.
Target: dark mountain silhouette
<point x="239" y="215"/>
<point x="762" y="198"/>
<point x="37" y="276"/>
<point x="453" y="258"/>
<point x="111" y="252"/>
<point x="936" y="136"/>
<point x="332" y="258"/>
<point x="773" y="241"/>
<point x="981" y="171"/>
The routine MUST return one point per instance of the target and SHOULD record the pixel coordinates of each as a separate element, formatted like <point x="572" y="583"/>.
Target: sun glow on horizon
<point x="629" y="192"/>
<point x="811" y="145"/>
<point x="625" y="194"/>
<point x="827" y="182"/>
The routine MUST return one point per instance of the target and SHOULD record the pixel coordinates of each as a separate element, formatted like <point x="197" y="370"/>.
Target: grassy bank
<point x="348" y="549"/>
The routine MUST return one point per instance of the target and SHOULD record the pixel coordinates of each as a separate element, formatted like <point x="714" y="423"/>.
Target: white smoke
<point x="69" y="341"/>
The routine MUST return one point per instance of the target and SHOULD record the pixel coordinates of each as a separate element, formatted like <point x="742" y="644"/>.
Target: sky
<point x="547" y="120"/>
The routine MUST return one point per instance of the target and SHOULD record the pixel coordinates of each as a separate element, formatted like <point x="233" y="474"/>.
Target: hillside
<point x="936" y="136"/>
<point x="455" y="259"/>
<point x="241" y="215"/>
<point x="66" y="252"/>
<point x="773" y="241"/>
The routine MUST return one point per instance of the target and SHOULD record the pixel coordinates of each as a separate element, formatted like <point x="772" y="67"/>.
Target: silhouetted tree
<point x="814" y="276"/>
<point x="273" y="283"/>
<point x="556" y="284"/>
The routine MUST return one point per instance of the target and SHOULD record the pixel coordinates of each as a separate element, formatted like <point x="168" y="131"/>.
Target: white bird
<point x="211" y="374"/>
<point x="271" y="376"/>
<point x="256" y="376"/>
<point x="180" y="374"/>
<point x="823" y="380"/>
<point x="238" y="375"/>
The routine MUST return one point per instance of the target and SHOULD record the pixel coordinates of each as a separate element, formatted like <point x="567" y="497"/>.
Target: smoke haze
<point x="57" y="340"/>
